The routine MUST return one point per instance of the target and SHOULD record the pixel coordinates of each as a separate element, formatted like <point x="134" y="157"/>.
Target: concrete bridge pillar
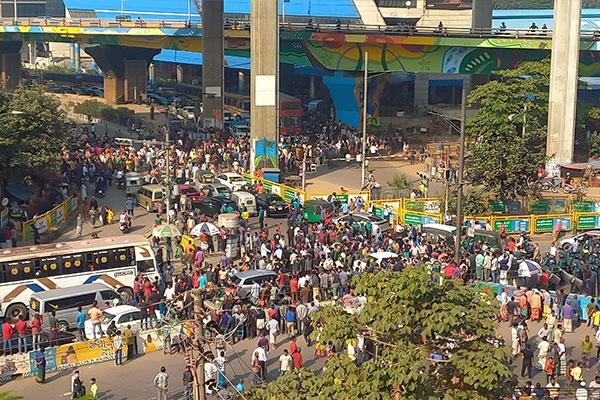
<point x="213" y="57"/>
<point x="563" y="83"/>
<point x="10" y="64"/>
<point x="264" y="69"/>
<point x="125" y="71"/>
<point x="481" y="15"/>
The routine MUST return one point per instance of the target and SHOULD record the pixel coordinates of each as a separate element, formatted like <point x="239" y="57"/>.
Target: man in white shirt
<point x="594" y="388"/>
<point x="273" y="328"/>
<point x="285" y="362"/>
<point x="261" y="354"/>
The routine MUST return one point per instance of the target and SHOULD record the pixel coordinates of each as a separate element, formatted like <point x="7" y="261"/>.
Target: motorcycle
<point x="124" y="227"/>
<point x="553" y="185"/>
<point x="568" y="189"/>
<point x="100" y="192"/>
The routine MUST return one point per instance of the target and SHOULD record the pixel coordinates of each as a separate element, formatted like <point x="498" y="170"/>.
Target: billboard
<point x="450" y="4"/>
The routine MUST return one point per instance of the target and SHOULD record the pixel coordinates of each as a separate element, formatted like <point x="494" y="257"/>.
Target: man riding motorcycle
<point x="125" y="219"/>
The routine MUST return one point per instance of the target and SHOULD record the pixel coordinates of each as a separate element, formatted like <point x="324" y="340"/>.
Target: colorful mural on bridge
<point x="333" y="51"/>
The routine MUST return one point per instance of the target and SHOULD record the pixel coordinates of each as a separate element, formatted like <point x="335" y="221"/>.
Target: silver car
<point x="216" y="190"/>
<point x="377" y="222"/>
<point x="566" y="243"/>
<point x="245" y="280"/>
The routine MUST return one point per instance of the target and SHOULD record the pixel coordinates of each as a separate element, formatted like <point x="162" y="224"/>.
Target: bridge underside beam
<point x="125" y="71"/>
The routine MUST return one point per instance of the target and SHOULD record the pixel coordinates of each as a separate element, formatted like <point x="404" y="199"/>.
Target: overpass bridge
<point x="335" y="47"/>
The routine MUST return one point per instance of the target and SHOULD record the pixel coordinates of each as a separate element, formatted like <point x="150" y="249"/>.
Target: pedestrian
<point x="273" y="328"/>
<point x="80" y="319"/>
<point x="53" y="323"/>
<point x="261" y="218"/>
<point x="297" y="357"/>
<point x="129" y="205"/>
<point x="553" y="389"/>
<point x="79" y="228"/>
<point x="577" y="373"/>
<point x="7" y="334"/>
<point x="527" y="357"/>
<point x="161" y="383"/>
<point x="285" y="362"/>
<point x="22" y="334"/>
<point x="40" y="364"/>
<point x="549" y="369"/>
<point x="586" y="349"/>
<point x="94" y="312"/>
<point x="93" y="388"/>
<point x="93" y="216"/>
<point x="129" y="339"/>
<point x="36" y="330"/>
<point x="188" y="380"/>
<point x="36" y="234"/>
<point x="220" y="363"/>
<point x="259" y="363"/>
<point x="118" y="346"/>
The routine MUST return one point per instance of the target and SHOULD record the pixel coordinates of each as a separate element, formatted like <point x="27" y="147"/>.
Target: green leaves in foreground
<point x="409" y="316"/>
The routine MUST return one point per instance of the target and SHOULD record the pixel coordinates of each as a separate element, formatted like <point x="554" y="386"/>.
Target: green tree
<point x="503" y="160"/>
<point x="474" y="203"/>
<point x="32" y="133"/>
<point x="409" y="316"/>
<point x="400" y="182"/>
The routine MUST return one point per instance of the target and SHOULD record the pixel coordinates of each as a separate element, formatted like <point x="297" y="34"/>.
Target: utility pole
<point x="200" y="388"/>
<point x="446" y="182"/>
<point x="461" y="166"/>
<point x="168" y="161"/>
<point x="364" y="135"/>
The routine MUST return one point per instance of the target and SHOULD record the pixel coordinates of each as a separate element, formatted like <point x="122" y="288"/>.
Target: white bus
<point x="115" y="261"/>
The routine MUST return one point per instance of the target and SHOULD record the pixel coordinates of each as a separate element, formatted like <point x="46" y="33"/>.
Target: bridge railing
<point x="401" y="30"/>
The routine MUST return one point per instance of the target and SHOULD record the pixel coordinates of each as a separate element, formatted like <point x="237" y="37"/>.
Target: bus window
<point x="145" y="266"/>
<point x="72" y="263"/>
<point x="18" y="270"/>
<point x="89" y="262"/>
<point x="102" y="260"/>
<point x="124" y="257"/>
<point x="50" y="266"/>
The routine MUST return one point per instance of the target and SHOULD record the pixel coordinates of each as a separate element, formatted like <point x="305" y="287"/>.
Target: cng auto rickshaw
<point x="311" y="210"/>
<point x="133" y="182"/>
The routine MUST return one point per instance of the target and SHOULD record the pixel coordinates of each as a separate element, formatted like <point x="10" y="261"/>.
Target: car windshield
<point x="236" y="280"/>
<point x="375" y="218"/>
<point x="236" y="179"/>
<point x="106" y="317"/>
<point x="223" y="190"/>
<point x="188" y="190"/>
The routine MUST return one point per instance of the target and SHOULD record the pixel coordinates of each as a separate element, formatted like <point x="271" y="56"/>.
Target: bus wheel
<point x="63" y="326"/>
<point x="126" y="292"/>
<point x="14" y="311"/>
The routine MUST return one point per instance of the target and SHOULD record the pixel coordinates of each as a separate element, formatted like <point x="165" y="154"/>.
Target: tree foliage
<point x="502" y="159"/>
<point x="9" y="396"/>
<point x="409" y="316"/>
<point x="32" y="133"/>
<point x="400" y="182"/>
<point x="474" y="203"/>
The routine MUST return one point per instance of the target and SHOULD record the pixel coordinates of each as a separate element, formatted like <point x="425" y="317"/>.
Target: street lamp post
<point x="364" y="133"/>
<point x="461" y="166"/>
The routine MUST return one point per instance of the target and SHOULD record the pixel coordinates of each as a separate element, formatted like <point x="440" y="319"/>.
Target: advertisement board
<point x="512" y="225"/>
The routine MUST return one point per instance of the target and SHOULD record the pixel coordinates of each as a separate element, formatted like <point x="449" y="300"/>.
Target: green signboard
<point x="289" y="195"/>
<point x="588" y="221"/>
<point x="496" y="205"/>
<point x="414" y="206"/>
<point x="583" y="206"/>
<point x="544" y="225"/>
<point x="53" y="218"/>
<point x="268" y="187"/>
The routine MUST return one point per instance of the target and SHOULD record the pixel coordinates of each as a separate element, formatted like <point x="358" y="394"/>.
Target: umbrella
<point x="210" y="229"/>
<point x="166" y="231"/>
<point x="382" y="255"/>
<point x="533" y="266"/>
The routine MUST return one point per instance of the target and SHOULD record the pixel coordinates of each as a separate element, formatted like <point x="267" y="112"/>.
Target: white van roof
<point x="447" y="228"/>
<point x="71" y="291"/>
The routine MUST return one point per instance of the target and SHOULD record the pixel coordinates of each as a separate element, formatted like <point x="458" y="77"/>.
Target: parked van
<point x="245" y="199"/>
<point x="66" y="300"/>
<point x="149" y="195"/>
<point x="437" y="232"/>
<point x="133" y="182"/>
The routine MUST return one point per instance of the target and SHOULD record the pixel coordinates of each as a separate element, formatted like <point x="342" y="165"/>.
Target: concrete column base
<point x="125" y="71"/>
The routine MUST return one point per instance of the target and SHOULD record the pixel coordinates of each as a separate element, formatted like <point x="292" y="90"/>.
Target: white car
<point x="240" y="131"/>
<point x="232" y="180"/>
<point x="187" y="112"/>
<point x="123" y="315"/>
<point x="565" y="243"/>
